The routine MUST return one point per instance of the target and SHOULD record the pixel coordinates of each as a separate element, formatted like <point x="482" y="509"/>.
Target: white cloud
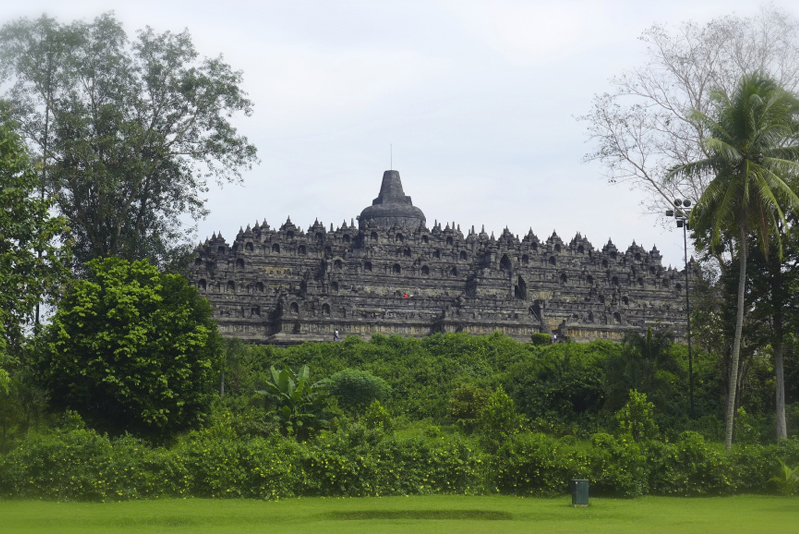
<point x="538" y="33"/>
<point x="305" y="83"/>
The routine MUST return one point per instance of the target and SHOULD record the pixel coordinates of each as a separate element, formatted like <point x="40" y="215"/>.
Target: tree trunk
<point x="777" y="305"/>
<point x="736" y="341"/>
<point x="782" y="428"/>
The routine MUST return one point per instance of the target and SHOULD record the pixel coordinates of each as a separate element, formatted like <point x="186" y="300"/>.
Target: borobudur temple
<point x="393" y="275"/>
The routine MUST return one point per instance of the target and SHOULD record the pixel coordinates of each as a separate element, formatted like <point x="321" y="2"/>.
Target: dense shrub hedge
<point x="689" y="467"/>
<point x="360" y="461"/>
<point x="83" y="465"/>
<point x="456" y="415"/>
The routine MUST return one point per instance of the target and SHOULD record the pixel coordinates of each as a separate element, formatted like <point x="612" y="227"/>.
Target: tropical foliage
<point x="788" y="481"/>
<point x="80" y="464"/>
<point x="252" y="444"/>
<point x="636" y="418"/>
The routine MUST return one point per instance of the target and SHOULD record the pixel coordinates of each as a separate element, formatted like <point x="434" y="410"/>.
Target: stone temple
<point x="393" y="275"/>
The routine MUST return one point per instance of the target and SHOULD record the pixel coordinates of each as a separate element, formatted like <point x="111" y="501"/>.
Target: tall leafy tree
<point x="646" y="124"/>
<point x="765" y="330"/>
<point x="128" y="132"/>
<point x="753" y="162"/>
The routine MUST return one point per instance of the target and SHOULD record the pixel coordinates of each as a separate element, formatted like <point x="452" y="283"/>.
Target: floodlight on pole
<point x="681" y="216"/>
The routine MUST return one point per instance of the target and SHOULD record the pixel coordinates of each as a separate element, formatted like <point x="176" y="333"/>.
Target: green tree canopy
<point x="128" y="132"/>
<point x="753" y="157"/>
<point x="132" y="350"/>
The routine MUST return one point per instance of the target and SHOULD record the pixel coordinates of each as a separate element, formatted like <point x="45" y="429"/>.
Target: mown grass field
<point x="415" y="515"/>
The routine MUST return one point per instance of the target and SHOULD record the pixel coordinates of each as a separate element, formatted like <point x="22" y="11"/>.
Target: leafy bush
<point x="243" y="416"/>
<point x="420" y="465"/>
<point x="466" y="404"/>
<point x="788" y="450"/>
<point x="377" y="416"/>
<point x="498" y="421"/>
<point x="68" y="466"/>
<point x="290" y="449"/>
<point x="83" y="465"/>
<point x="541" y="339"/>
<point x="254" y="468"/>
<point x="360" y="459"/>
<point x="745" y="429"/>
<point x="561" y="384"/>
<point x="689" y="467"/>
<point x="422" y="373"/>
<point x="788" y="479"/>
<point x="751" y="467"/>
<point x="132" y="350"/>
<point x="357" y="460"/>
<point x="532" y="464"/>
<point x="647" y="364"/>
<point x="356" y="389"/>
<point x="616" y="466"/>
<point x="301" y="407"/>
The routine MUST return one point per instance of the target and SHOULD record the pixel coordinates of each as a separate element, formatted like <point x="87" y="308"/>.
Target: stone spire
<point x="391" y="190"/>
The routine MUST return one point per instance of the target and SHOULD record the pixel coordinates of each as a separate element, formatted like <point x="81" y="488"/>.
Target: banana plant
<point x="301" y="407"/>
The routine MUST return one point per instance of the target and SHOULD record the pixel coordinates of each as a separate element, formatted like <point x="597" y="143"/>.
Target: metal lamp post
<point x="680" y="213"/>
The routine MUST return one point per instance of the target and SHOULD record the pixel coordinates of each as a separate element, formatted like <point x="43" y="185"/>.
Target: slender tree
<point x="32" y="261"/>
<point x="753" y="163"/>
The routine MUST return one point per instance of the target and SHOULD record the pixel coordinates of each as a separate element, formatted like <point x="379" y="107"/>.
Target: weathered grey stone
<point x="393" y="275"/>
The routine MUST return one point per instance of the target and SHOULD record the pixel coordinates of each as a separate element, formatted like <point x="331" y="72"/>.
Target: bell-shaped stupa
<point x="392" y="207"/>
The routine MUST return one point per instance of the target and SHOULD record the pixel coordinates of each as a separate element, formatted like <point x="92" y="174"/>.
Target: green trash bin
<point x="579" y="489"/>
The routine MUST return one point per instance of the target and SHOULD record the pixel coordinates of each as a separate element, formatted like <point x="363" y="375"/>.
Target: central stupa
<point x="392" y="207"/>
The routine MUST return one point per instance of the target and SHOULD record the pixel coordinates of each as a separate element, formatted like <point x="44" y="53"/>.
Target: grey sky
<point x="477" y="98"/>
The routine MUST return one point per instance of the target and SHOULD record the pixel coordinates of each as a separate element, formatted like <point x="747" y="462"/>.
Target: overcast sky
<point x="477" y="98"/>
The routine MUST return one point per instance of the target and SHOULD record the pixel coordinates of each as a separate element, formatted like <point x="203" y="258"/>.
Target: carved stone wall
<point x="287" y="285"/>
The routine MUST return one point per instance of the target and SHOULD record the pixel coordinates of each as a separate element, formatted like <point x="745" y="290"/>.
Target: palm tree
<point x="752" y="153"/>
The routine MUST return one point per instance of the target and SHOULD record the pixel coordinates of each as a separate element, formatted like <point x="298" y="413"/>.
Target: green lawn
<point x="415" y="515"/>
